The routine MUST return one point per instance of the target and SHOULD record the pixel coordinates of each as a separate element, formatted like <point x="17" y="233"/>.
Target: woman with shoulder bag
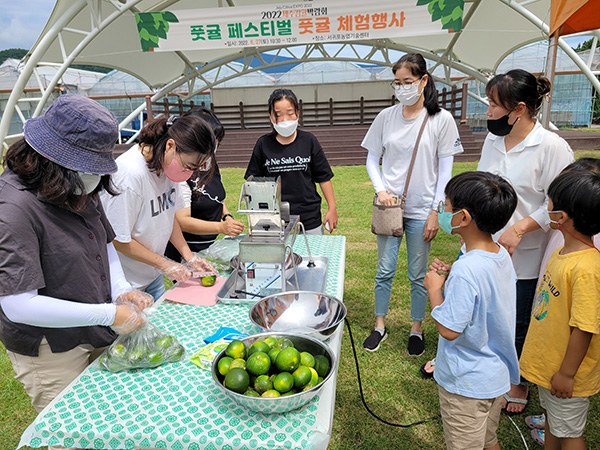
<point x="392" y="137"/>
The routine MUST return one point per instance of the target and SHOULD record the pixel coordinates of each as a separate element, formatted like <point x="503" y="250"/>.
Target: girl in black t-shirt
<point x="299" y="159"/>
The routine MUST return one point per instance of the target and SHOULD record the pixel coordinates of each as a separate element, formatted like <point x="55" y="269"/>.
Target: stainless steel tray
<point x="309" y="279"/>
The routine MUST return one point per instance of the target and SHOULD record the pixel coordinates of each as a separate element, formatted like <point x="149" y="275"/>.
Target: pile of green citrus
<point x="270" y="368"/>
<point x="136" y="354"/>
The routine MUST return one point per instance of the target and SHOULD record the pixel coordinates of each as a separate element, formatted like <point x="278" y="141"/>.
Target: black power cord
<point x="362" y="397"/>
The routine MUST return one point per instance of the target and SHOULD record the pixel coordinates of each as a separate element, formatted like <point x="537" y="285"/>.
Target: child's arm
<point x="331" y="216"/>
<point x="562" y="381"/>
<point x="434" y="281"/>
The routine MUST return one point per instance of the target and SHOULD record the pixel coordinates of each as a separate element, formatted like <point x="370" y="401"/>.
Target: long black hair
<point x="191" y="134"/>
<point x="52" y="182"/>
<point x="417" y="66"/>
<point x="516" y="86"/>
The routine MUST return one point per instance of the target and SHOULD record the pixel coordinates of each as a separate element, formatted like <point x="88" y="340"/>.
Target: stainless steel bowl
<point x="309" y="313"/>
<point x="279" y="404"/>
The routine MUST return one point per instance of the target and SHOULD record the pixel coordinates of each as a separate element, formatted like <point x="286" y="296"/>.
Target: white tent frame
<point x="316" y="52"/>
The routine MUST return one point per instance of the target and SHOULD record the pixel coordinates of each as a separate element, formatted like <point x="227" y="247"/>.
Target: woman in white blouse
<point x="519" y="149"/>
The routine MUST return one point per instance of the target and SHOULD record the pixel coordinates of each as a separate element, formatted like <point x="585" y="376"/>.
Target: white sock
<point x="416" y="333"/>
<point x="381" y="331"/>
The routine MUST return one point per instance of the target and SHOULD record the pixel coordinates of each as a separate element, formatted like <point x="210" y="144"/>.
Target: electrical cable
<point x="362" y="397"/>
<point x="521" y="434"/>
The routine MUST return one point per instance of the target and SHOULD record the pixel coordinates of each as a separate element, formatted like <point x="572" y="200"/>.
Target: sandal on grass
<point x="428" y="373"/>
<point x="517" y="400"/>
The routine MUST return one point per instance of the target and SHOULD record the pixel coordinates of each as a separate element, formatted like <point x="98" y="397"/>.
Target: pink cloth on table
<point x="193" y="293"/>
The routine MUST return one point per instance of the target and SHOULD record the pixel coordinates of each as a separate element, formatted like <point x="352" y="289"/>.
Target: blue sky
<point x="22" y="21"/>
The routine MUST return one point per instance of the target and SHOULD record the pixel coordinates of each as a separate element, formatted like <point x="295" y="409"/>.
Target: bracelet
<point x="519" y="235"/>
<point x="226" y="216"/>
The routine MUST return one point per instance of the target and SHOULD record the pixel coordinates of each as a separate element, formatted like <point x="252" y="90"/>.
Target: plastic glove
<point x="176" y="271"/>
<point x="198" y="264"/>
<point x="128" y="318"/>
<point x="140" y="299"/>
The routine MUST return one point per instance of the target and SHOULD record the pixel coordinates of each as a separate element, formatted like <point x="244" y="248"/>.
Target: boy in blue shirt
<point x="476" y="358"/>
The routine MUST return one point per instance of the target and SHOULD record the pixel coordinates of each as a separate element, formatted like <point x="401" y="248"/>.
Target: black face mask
<point x="500" y="127"/>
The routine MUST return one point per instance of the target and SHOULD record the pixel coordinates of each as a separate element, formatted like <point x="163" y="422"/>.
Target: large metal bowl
<point x="277" y="405"/>
<point x="309" y="313"/>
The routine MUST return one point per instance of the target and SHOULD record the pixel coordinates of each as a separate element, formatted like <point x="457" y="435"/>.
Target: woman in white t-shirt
<point x="519" y="149"/>
<point x="143" y="214"/>
<point x="392" y="137"/>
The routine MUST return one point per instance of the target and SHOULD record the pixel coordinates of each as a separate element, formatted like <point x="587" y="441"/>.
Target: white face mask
<point x="90" y="181"/>
<point x="408" y="95"/>
<point x="548" y="220"/>
<point x="286" y="128"/>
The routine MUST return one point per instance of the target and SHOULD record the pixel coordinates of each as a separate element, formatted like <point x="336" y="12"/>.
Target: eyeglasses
<point x="202" y="166"/>
<point x="399" y="84"/>
<point x="442" y="207"/>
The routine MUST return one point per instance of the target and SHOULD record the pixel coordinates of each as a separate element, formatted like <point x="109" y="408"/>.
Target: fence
<point x="312" y="114"/>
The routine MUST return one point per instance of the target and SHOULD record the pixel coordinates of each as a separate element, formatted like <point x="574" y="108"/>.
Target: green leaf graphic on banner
<point x="450" y="12"/>
<point x="152" y="27"/>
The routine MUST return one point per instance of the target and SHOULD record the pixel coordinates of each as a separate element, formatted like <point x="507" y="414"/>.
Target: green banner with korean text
<point x="320" y="21"/>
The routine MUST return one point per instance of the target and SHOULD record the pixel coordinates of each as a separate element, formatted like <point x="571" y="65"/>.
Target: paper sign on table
<point x="193" y="293"/>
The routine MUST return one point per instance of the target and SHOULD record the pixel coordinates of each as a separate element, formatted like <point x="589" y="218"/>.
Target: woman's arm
<point x="513" y="235"/>
<point x="375" y="175"/>
<point x="331" y="216"/>
<point x="189" y="224"/>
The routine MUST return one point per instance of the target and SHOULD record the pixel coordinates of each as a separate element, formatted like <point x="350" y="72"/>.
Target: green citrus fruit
<point x="271" y="393"/>
<point x="321" y="365"/>
<point x="135" y="356"/>
<point x="314" y="379"/>
<point x="224" y="365"/>
<point x="290" y="392"/>
<point x="258" y="363"/>
<point x="283" y="382"/>
<point x="208" y="280"/>
<point x="110" y="364"/>
<point x="271" y="342"/>
<point x="259" y="346"/>
<point x="237" y="380"/>
<point x="175" y="352"/>
<point x="302" y="376"/>
<point x="156" y="358"/>
<point x="164" y="342"/>
<point x="273" y="354"/>
<point x="288" y="359"/>
<point x="262" y="384"/>
<point x="236" y="349"/>
<point x="284" y="343"/>
<point x="320" y="380"/>
<point x="117" y="351"/>
<point x="239" y="363"/>
<point x="251" y="393"/>
<point x="309" y="386"/>
<point x="306" y="359"/>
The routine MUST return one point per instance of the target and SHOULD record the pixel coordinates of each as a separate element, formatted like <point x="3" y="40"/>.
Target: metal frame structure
<point x="379" y="53"/>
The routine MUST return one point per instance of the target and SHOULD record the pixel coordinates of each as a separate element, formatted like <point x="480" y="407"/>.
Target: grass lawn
<point x="391" y="381"/>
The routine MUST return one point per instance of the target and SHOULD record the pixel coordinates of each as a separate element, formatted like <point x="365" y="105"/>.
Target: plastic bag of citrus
<point x="147" y="347"/>
<point x="270" y="368"/>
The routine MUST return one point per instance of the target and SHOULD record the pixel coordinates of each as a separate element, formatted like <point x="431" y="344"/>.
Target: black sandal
<point x="424" y="371"/>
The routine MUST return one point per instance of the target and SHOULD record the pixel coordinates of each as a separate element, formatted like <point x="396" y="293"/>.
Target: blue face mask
<point x="445" y="219"/>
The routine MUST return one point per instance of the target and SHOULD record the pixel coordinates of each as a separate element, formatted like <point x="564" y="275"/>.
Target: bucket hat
<point x="77" y="133"/>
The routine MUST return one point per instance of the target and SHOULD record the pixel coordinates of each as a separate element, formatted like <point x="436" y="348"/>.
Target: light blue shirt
<point x="480" y="304"/>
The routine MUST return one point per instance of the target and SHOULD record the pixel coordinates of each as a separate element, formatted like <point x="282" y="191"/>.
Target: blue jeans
<point x="387" y="262"/>
<point x="157" y="288"/>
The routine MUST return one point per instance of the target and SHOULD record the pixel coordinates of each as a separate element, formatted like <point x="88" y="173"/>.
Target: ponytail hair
<point x="191" y="134"/>
<point x="417" y="66"/>
<point x="516" y="86"/>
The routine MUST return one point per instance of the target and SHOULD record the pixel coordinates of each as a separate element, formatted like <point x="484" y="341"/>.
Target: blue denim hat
<point x="77" y="133"/>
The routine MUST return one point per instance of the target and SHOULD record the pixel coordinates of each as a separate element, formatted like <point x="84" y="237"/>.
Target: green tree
<point x="16" y="53"/>
<point x="582" y="46"/>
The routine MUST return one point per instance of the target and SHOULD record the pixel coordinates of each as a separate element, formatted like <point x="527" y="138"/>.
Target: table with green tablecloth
<point x="177" y="406"/>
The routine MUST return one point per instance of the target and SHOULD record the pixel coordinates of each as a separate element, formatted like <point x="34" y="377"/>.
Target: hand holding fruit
<point x="175" y="271"/>
<point x="198" y="264"/>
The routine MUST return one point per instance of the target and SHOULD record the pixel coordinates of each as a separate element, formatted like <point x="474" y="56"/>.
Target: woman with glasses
<point x="143" y="214"/>
<point x="204" y="215"/>
<point x="392" y="138"/>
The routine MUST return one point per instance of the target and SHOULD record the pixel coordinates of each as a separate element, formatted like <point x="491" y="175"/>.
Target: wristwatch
<point x="226" y="216"/>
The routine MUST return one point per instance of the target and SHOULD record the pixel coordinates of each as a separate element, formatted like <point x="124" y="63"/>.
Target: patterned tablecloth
<point x="177" y="406"/>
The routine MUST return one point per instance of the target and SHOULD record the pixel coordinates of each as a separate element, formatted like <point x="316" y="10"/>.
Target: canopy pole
<point x="550" y="69"/>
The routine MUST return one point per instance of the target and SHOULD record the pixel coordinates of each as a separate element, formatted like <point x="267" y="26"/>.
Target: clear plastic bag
<point x="220" y="253"/>
<point x="146" y="347"/>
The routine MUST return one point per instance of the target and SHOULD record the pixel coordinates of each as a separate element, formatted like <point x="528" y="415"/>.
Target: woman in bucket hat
<point x="143" y="214"/>
<point x="63" y="295"/>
